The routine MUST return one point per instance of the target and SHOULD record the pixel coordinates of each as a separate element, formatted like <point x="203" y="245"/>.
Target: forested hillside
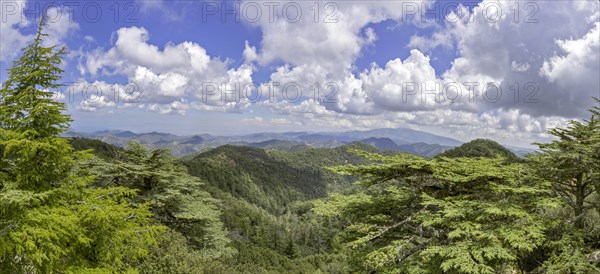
<point x="273" y="179"/>
<point x="480" y="148"/>
<point x="84" y="206"/>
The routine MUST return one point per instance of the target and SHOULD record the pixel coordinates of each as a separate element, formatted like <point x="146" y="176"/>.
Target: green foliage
<point x="175" y="256"/>
<point x="296" y="241"/>
<point x="177" y="199"/>
<point x="466" y="215"/>
<point x="51" y="220"/>
<point x="26" y="95"/>
<point x="105" y="151"/>
<point x="73" y="228"/>
<point x="572" y="163"/>
<point x="262" y="239"/>
<point x="480" y="148"/>
<point x="272" y="179"/>
<point x="256" y="176"/>
<point x="265" y="196"/>
<point x="568" y="257"/>
<point x="31" y="121"/>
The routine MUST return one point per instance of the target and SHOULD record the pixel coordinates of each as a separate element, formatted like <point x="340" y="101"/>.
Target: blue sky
<point x="377" y="64"/>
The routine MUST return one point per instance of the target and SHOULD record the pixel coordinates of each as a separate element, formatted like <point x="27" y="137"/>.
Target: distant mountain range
<point x="397" y="139"/>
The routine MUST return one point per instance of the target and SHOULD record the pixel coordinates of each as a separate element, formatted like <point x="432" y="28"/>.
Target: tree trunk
<point x="579" y="202"/>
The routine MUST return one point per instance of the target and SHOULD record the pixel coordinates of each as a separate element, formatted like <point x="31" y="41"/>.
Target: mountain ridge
<point x="397" y="139"/>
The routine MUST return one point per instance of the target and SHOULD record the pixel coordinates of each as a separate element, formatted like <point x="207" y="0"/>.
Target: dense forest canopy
<point x="480" y="148"/>
<point x="84" y="206"/>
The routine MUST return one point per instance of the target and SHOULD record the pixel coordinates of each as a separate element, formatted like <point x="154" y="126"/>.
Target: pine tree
<point x="177" y="198"/>
<point x="31" y="121"/>
<point x="572" y="163"/>
<point x="51" y="220"/>
<point x="447" y="215"/>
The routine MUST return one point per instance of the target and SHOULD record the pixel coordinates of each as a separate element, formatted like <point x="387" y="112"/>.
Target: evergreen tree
<point x="177" y="198"/>
<point x="572" y="163"/>
<point x="35" y="157"/>
<point x="50" y="220"/>
<point x="447" y="215"/>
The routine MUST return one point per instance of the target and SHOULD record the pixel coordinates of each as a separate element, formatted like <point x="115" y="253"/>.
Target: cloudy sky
<point x="506" y="70"/>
